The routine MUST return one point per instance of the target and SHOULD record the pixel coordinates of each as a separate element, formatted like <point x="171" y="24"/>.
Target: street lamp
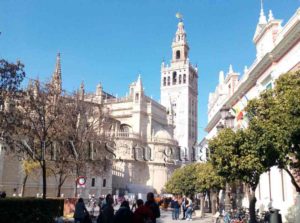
<point x="224" y="111"/>
<point x="228" y="120"/>
<point x="220" y="126"/>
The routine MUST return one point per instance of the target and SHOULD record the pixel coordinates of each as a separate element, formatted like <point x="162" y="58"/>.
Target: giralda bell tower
<point x="179" y="90"/>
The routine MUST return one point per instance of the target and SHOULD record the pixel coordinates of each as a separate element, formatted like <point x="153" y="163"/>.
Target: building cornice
<point x="290" y="39"/>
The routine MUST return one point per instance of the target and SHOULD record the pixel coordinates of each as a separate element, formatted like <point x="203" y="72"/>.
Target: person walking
<point x="142" y="213"/>
<point x="106" y="214"/>
<point x="153" y="206"/>
<point x="183" y="205"/>
<point x="189" y="209"/>
<point x="124" y="214"/>
<point x="80" y="211"/>
<point x="175" y="208"/>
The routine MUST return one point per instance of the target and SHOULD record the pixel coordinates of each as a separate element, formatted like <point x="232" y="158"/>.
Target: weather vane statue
<point x="179" y="16"/>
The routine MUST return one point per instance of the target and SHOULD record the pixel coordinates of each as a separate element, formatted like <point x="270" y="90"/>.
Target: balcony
<point x="122" y="135"/>
<point x="163" y="140"/>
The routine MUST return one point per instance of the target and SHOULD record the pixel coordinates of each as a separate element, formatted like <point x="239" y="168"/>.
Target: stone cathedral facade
<point x="147" y="134"/>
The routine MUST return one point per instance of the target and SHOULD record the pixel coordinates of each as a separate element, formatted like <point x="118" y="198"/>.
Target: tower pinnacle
<point x="271" y="17"/>
<point x="262" y="17"/>
<point x="56" y="77"/>
<point x="180" y="46"/>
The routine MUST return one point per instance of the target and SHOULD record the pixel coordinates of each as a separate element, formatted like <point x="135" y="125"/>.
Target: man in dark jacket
<point x="142" y="214"/>
<point x="175" y="208"/>
<point x="153" y="206"/>
<point x="124" y="214"/>
<point x="107" y="211"/>
<point x="80" y="211"/>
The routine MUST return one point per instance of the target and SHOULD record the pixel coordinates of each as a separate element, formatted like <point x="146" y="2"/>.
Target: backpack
<point x="148" y="220"/>
<point x="155" y="209"/>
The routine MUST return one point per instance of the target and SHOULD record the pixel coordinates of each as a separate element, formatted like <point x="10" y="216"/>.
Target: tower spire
<point x="180" y="46"/>
<point x="271" y="17"/>
<point x="262" y="17"/>
<point x="262" y="21"/>
<point x="56" y="78"/>
<point x="81" y="91"/>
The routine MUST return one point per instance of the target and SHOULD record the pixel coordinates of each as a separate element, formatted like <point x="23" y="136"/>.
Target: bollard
<point x="275" y="217"/>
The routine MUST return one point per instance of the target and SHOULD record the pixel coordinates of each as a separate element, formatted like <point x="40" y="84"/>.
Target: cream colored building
<point x="277" y="52"/>
<point x="144" y="132"/>
<point x="179" y="91"/>
<point x="145" y="146"/>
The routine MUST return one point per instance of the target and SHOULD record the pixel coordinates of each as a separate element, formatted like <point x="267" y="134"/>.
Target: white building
<point x="277" y="52"/>
<point x="145" y="132"/>
<point x="145" y="145"/>
<point x="179" y="90"/>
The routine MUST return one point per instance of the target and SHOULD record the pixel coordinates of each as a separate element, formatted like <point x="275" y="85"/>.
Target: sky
<point x="112" y="41"/>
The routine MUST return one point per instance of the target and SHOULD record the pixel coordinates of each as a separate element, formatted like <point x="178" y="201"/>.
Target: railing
<point x="116" y="100"/>
<point x="130" y="135"/>
<point x="122" y="135"/>
<point x="163" y="140"/>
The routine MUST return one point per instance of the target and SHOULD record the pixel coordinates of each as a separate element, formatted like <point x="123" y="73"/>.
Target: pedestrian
<point x="183" y="205"/>
<point x="124" y="214"/>
<point x="189" y="209"/>
<point x="142" y="213"/>
<point x="153" y="206"/>
<point x="175" y="208"/>
<point x="80" y="211"/>
<point x="100" y="202"/>
<point x="106" y="214"/>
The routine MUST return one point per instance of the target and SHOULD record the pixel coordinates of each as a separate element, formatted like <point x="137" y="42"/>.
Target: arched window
<point x="174" y="78"/>
<point x="180" y="79"/>
<point x="178" y="54"/>
<point x="184" y="78"/>
<point x="136" y="96"/>
<point x="168" y="81"/>
<point x="165" y="80"/>
<point x="125" y="130"/>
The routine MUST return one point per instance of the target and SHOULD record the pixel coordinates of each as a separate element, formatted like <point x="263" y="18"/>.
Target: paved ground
<point x="166" y="217"/>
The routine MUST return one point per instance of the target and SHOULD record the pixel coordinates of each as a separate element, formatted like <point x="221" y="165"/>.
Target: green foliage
<point x="24" y="210"/>
<point x="183" y="181"/>
<point x="235" y="156"/>
<point x="207" y="178"/>
<point x="194" y="178"/>
<point x="276" y="115"/>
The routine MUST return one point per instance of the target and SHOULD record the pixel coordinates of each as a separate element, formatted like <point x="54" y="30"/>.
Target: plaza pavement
<point x="166" y="217"/>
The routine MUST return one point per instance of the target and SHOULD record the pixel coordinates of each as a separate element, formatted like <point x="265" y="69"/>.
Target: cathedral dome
<point x="163" y="134"/>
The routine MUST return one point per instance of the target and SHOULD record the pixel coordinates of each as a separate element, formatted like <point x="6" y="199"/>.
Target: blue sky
<point x="111" y="41"/>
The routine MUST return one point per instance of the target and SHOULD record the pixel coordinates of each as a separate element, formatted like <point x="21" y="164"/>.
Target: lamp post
<point x="228" y="120"/>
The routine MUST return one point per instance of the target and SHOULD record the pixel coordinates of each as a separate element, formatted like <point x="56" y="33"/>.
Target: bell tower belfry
<point x="179" y="90"/>
<point x="180" y="48"/>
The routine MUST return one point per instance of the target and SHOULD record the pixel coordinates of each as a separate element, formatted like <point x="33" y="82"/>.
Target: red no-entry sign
<point x="81" y="180"/>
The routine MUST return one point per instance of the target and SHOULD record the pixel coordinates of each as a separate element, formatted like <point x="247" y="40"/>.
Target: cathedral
<point x="151" y="139"/>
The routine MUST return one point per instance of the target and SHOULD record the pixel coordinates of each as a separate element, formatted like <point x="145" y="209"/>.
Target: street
<point x="166" y="217"/>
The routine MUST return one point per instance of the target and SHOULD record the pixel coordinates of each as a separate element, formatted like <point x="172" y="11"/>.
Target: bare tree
<point x="82" y="146"/>
<point x="31" y="125"/>
<point x="42" y="116"/>
<point x="85" y="124"/>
